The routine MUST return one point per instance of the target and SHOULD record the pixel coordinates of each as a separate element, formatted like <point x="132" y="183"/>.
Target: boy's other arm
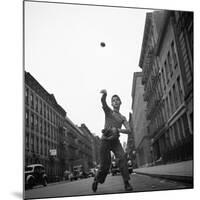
<point x="127" y="129"/>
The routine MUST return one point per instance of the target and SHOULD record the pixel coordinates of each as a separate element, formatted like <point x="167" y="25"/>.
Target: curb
<point x="185" y="179"/>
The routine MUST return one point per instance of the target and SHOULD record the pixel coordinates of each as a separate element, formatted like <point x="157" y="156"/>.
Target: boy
<point x="110" y="142"/>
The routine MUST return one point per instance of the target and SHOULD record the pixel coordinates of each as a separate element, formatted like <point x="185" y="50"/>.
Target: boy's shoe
<point x="128" y="187"/>
<point x="94" y="186"/>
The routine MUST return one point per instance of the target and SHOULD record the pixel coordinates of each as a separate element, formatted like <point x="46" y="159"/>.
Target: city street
<point x="113" y="184"/>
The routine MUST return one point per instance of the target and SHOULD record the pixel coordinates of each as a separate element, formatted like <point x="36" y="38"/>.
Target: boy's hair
<point x="115" y="95"/>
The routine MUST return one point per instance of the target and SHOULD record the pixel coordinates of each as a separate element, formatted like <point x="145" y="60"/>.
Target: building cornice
<point x="162" y="32"/>
<point x="37" y="87"/>
<point x="145" y="38"/>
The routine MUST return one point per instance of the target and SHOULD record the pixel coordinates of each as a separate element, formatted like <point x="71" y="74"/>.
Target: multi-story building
<point x="139" y="122"/>
<point x="167" y="64"/>
<point x="96" y="150"/>
<point x="51" y="138"/>
<point x="71" y="144"/>
<point x="88" y="146"/>
<point x="44" y="122"/>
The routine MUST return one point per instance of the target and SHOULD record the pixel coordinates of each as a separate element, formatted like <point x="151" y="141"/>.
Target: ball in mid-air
<point x="103" y="44"/>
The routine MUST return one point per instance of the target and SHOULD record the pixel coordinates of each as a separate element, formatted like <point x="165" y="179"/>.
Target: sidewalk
<point x="182" y="171"/>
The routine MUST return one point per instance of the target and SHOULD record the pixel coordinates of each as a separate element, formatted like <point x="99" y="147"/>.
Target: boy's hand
<point x="114" y="130"/>
<point x="103" y="91"/>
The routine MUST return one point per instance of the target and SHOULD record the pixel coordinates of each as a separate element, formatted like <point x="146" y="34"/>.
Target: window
<point x="26" y="95"/>
<point x="55" y="133"/>
<point x="48" y="130"/>
<point x="165" y="109"/>
<point x="171" y="102"/>
<point x="32" y="101"/>
<point x="41" y="126"/>
<point x="186" y="126"/>
<point x="45" y="147"/>
<point x="45" y="128"/>
<point x="48" y="113"/>
<point x="169" y="60"/>
<point x="180" y="92"/>
<point x="166" y="71"/>
<point x="164" y="113"/>
<point x="41" y="107"/>
<point x="27" y="140"/>
<point x="174" y="135"/>
<point x="41" y="146"/>
<point x="190" y="37"/>
<point x="182" y="126"/>
<point x="49" y="145"/>
<point x="37" y="145"/>
<point x="167" y="139"/>
<point x="27" y="118"/>
<point x="44" y="110"/>
<point x="175" y="96"/>
<point x="32" y="143"/>
<point x="28" y="169"/>
<point x="174" y="56"/>
<point x="163" y="79"/>
<point x="51" y="132"/>
<point x="180" y="129"/>
<point x="36" y="104"/>
<point x="32" y="121"/>
<point x="36" y="123"/>
<point x="168" y="109"/>
<point x="51" y="115"/>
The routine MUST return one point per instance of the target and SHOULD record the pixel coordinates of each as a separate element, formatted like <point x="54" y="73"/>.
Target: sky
<point x="63" y="53"/>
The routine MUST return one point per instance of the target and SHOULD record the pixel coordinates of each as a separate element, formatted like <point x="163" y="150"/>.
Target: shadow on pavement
<point x="18" y="194"/>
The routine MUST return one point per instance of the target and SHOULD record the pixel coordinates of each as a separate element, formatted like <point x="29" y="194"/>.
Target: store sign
<point x="53" y="152"/>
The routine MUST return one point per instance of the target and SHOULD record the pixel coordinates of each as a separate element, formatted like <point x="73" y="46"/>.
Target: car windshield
<point x="28" y="168"/>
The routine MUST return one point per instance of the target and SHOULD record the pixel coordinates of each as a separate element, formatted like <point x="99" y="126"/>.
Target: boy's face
<point x="116" y="102"/>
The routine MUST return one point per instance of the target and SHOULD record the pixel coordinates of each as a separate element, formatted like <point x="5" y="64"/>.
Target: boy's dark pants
<point x="105" y="159"/>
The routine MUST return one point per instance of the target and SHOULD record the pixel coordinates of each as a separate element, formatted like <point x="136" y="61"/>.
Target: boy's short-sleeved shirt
<point x="112" y="118"/>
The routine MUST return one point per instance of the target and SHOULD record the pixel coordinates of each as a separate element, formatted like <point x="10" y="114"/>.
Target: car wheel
<point x="44" y="182"/>
<point x="30" y="183"/>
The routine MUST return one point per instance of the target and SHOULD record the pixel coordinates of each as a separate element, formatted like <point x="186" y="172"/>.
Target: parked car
<point x="35" y="175"/>
<point x="83" y="174"/>
<point x="114" y="168"/>
<point x="74" y="176"/>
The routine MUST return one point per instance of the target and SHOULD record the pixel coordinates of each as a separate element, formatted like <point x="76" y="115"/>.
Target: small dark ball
<point x="103" y="44"/>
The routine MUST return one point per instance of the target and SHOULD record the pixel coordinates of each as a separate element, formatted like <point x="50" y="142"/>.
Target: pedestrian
<point x="110" y="142"/>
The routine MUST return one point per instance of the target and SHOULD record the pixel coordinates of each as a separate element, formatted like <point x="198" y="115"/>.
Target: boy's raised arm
<point x="103" y="100"/>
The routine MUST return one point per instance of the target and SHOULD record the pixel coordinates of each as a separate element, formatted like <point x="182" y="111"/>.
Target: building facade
<point x="96" y="151"/>
<point x="44" y="122"/>
<point x="167" y="63"/>
<point x="139" y="122"/>
<point x="51" y="138"/>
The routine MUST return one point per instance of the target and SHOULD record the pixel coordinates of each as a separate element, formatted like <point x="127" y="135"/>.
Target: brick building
<point x="51" y="138"/>
<point x="44" y="122"/>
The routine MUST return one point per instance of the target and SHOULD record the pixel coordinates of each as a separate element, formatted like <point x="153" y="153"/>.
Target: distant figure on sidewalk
<point x="110" y="142"/>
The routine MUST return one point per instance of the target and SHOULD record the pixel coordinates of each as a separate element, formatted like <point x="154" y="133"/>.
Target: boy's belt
<point x="110" y="134"/>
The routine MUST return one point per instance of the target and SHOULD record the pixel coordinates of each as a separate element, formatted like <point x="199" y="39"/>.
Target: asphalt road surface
<point x="113" y="184"/>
